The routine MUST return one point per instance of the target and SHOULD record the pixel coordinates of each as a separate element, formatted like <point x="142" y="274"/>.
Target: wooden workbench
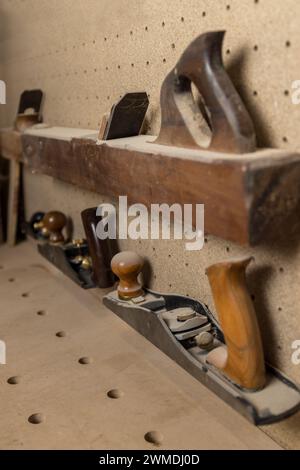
<point x="70" y="399"/>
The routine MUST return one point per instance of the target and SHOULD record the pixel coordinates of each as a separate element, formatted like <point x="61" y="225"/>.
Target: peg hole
<point x="61" y="334"/>
<point x="14" y="380"/>
<point x="85" y="360"/>
<point x="115" y="393"/>
<point x="41" y="312"/>
<point x="36" y="418"/>
<point x="154" y="437"/>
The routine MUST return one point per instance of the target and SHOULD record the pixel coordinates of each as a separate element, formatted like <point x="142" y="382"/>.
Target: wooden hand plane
<point x="226" y="357"/>
<point x="229" y="128"/>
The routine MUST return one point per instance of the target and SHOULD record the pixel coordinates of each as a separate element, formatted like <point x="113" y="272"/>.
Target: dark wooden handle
<point x="100" y="250"/>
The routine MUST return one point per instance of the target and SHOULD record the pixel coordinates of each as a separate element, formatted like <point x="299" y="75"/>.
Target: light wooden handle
<point x="244" y="360"/>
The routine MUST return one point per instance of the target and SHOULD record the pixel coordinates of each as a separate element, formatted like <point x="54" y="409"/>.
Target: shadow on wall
<point x="237" y="70"/>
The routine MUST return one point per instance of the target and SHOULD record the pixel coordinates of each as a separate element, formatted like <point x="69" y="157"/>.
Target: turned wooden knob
<point x="127" y="265"/>
<point x="55" y="222"/>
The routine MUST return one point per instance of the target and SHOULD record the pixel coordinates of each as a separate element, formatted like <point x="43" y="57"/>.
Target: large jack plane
<point x="226" y="355"/>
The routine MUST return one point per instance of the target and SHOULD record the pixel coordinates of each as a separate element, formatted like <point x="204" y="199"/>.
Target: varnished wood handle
<point x="100" y="250"/>
<point x="243" y="362"/>
<point x="127" y="265"/>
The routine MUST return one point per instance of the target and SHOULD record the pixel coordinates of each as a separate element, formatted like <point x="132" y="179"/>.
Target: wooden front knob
<point x="55" y="222"/>
<point x="127" y="265"/>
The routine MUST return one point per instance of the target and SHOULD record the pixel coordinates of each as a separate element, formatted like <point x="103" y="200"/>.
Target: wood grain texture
<point x="243" y="198"/>
<point x="244" y="358"/>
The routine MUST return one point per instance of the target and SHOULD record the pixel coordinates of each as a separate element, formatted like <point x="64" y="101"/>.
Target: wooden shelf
<point x="245" y="196"/>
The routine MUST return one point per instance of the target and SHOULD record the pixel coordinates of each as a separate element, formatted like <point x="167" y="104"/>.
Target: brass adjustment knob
<point x="127" y="265"/>
<point x="55" y="222"/>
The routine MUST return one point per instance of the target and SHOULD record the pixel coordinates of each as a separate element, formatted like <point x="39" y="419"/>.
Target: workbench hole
<point x="154" y="437"/>
<point x="115" y="393"/>
<point x="41" y="312"/>
<point x="14" y="380"/>
<point x="85" y="360"/>
<point x="61" y="334"/>
<point x="36" y="418"/>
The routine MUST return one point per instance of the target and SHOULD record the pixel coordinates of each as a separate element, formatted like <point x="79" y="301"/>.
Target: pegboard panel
<point x="273" y="277"/>
<point x="85" y="54"/>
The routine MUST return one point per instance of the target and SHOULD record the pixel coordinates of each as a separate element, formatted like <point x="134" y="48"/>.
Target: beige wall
<point x="86" y="53"/>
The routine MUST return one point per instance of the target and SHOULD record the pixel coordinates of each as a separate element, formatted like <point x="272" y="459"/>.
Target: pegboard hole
<point x="255" y="48"/>
<point x="227" y="249"/>
<point x="182" y="19"/>
<point x="14" y="380"/>
<point x="147" y="63"/>
<point x="228" y="51"/>
<point x="11" y="279"/>
<point x="85" y="360"/>
<point x="173" y="45"/>
<point x="146" y="28"/>
<point x="115" y="393"/>
<point x="1" y="267"/>
<point x="41" y="312"/>
<point x="25" y="294"/>
<point x="154" y="437"/>
<point x="204" y="13"/>
<point x="61" y="334"/>
<point x="288" y="44"/>
<point x="286" y="92"/>
<point x="227" y="7"/>
<point x="36" y="418"/>
<point x="253" y="297"/>
<point x="281" y="269"/>
<point x="255" y="93"/>
<point x="163" y="24"/>
<point x="284" y="139"/>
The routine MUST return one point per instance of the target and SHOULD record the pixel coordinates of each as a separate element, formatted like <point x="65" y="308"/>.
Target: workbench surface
<point x="70" y="399"/>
